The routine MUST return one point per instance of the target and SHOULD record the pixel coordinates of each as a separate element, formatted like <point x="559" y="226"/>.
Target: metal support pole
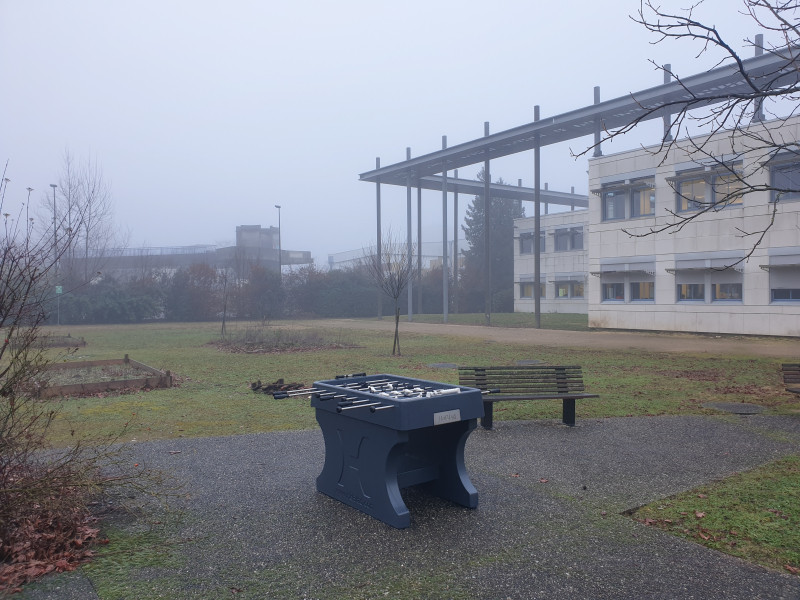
<point x="280" y="256"/>
<point x="666" y="117"/>
<point x="409" y="245"/>
<point x="537" y="229"/>
<point x="455" y="244"/>
<point x="445" y="269"/>
<point x="487" y="251"/>
<point x="419" y="249"/>
<point x="758" y="110"/>
<point x="379" y="242"/>
<point x="598" y="151"/>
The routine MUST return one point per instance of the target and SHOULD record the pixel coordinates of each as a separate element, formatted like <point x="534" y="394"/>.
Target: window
<point x="726" y="291"/>
<point x="643" y="201"/>
<point x="526" y="243"/>
<point x="577" y="238"/>
<point x="613" y="291"/>
<point x="691" y="194"/>
<point x="784" y="283"/>
<point x="561" y="240"/>
<point x="786" y="181"/>
<point x="614" y="205"/>
<point x="526" y="290"/>
<point x="691" y="291"/>
<point x="569" y="289"/>
<point x="568" y="239"/>
<point x="785" y="295"/>
<point x="643" y="290"/>
<point x="725" y="189"/>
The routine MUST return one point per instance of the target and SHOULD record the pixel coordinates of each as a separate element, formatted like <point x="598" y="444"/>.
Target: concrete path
<point x="255" y="527"/>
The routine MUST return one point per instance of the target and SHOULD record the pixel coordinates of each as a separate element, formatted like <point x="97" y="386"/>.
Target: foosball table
<point x="384" y="433"/>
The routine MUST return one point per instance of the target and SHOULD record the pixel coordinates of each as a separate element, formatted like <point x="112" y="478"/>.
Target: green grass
<point x="753" y="515"/>
<point x="213" y="395"/>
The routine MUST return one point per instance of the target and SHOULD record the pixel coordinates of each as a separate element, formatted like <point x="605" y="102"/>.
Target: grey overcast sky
<point x="204" y="115"/>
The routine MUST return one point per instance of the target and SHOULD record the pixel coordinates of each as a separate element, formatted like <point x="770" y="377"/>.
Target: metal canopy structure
<point x="768" y="71"/>
<point x="765" y="71"/>
<point x="509" y="192"/>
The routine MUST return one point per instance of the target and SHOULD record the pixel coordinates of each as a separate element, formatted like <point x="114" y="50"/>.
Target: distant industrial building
<point x="254" y="245"/>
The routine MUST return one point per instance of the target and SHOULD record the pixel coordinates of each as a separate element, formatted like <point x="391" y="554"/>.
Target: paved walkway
<point x="255" y="527"/>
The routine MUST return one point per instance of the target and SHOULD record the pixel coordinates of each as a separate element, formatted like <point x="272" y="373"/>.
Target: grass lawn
<point x="213" y="397"/>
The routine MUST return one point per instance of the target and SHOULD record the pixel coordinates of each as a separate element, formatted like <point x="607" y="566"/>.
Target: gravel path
<point x="788" y="348"/>
<point x="255" y="527"/>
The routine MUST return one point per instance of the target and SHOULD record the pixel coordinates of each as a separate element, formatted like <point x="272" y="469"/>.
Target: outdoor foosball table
<point x="384" y="433"/>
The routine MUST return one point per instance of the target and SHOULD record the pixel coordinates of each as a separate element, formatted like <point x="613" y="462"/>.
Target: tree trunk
<point x="396" y="345"/>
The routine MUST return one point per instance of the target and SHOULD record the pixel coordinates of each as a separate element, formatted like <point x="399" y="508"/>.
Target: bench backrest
<point x="529" y="379"/>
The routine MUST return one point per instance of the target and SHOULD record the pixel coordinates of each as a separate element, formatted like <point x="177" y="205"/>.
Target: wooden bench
<point x="536" y="382"/>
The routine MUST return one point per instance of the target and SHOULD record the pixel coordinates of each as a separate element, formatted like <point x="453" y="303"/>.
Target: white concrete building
<point x="697" y="278"/>
<point x="564" y="263"/>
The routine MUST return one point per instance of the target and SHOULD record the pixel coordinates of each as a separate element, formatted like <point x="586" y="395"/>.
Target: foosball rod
<point x="343" y="408"/>
<point x="290" y="393"/>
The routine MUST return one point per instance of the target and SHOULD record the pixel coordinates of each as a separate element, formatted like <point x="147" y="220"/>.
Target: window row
<point x="563" y="290"/>
<point x="684" y="292"/>
<point x="564" y="239"/>
<point x="691" y="191"/>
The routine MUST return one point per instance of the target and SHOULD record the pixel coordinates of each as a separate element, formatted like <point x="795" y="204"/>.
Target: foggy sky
<point x="204" y="115"/>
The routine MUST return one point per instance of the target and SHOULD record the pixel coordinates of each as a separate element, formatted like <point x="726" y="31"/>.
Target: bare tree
<point x="44" y="492"/>
<point x="749" y="118"/>
<point x="392" y="269"/>
<point x="80" y="220"/>
<point x="96" y="226"/>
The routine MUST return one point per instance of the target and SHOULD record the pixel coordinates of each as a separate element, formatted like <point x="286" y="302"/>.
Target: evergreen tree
<point x="502" y="213"/>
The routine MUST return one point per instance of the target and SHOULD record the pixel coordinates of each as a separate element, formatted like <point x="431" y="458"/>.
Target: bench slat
<point x="528" y="382"/>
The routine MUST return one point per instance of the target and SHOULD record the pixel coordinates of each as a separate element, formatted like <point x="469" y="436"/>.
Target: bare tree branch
<point x="700" y="122"/>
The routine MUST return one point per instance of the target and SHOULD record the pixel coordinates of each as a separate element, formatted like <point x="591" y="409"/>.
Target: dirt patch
<point x="707" y="375"/>
<point x="257" y="348"/>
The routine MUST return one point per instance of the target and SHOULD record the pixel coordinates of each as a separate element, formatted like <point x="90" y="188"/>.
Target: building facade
<point x="707" y="275"/>
<point x="564" y="263"/>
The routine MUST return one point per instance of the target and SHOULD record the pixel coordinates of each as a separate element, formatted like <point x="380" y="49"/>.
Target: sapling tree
<point x="391" y="267"/>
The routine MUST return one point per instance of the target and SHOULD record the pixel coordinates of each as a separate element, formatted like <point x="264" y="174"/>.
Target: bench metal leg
<point x="487" y="420"/>
<point x="568" y="411"/>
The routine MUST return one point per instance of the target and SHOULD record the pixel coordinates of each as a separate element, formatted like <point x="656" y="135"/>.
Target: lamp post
<point x="55" y="232"/>
<point x="55" y="256"/>
<point x="280" y="257"/>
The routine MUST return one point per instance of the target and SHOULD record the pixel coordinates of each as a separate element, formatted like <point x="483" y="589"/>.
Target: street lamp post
<point x="55" y="233"/>
<point x="280" y="256"/>
<point x="55" y="256"/>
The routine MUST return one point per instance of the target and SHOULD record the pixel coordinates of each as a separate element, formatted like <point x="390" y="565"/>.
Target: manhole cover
<point x="527" y="362"/>
<point x="738" y="408"/>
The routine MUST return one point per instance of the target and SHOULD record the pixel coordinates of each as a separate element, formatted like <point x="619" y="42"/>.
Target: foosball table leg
<point x="453" y="482"/>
